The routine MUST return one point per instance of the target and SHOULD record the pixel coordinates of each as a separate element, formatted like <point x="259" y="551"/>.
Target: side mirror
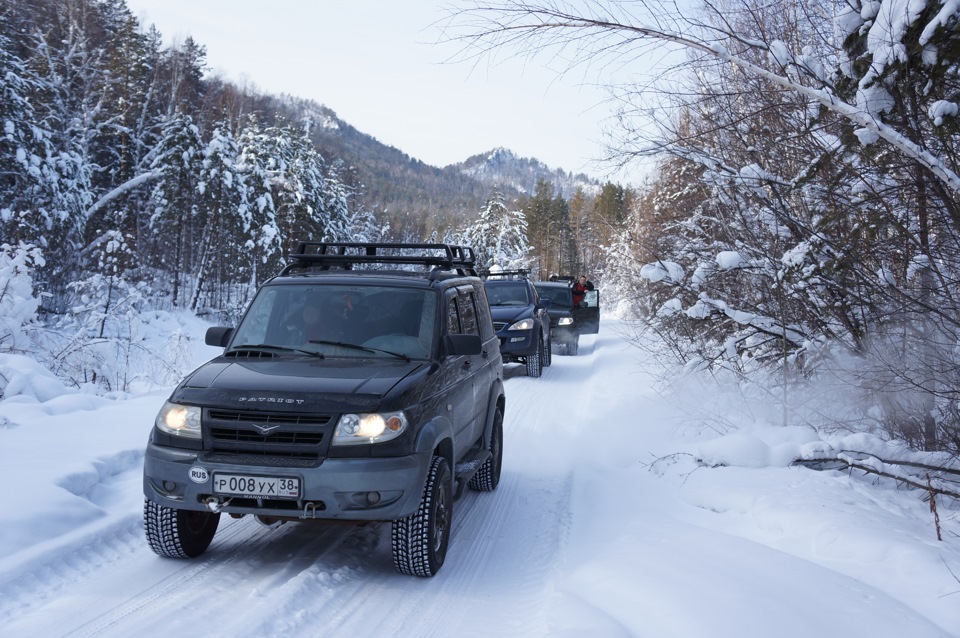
<point x="456" y="345"/>
<point x="218" y="336"/>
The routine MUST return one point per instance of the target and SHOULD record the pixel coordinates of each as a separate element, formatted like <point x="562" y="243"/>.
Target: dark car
<point x="567" y="322"/>
<point x="352" y="389"/>
<point x="520" y="319"/>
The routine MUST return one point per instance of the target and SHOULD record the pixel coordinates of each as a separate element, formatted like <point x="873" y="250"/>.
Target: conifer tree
<point x="498" y="236"/>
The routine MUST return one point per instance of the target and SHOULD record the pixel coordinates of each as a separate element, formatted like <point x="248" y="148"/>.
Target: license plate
<point x="257" y="486"/>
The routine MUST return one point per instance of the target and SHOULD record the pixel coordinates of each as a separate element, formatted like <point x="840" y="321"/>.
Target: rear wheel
<point x="535" y="361"/>
<point x="488" y="476"/>
<point x="420" y="540"/>
<point x="177" y="533"/>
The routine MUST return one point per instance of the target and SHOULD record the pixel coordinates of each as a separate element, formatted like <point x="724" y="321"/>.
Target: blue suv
<point x="520" y="319"/>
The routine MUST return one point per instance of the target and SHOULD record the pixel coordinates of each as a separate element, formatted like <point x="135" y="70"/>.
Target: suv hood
<point x="509" y="314"/>
<point x="295" y="383"/>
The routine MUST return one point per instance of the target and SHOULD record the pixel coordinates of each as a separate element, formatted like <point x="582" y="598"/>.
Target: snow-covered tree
<point x="18" y="301"/>
<point x="499" y="236"/>
<point x="826" y="139"/>
<point x="225" y="207"/>
<point x="175" y="216"/>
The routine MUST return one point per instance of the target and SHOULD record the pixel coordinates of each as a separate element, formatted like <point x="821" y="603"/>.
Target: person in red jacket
<point x="580" y="289"/>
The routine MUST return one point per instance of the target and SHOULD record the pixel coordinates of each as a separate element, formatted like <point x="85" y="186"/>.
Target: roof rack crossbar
<point x="506" y="274"/>
<point x="345" y="254"/>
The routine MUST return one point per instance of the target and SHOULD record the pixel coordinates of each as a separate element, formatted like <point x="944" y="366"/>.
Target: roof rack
<point x="517" y="273"/>
<point x="562" y="278"/>
<point x="346" y="255"/>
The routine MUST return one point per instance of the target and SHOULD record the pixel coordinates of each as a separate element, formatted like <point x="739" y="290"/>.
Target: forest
<point x="799" y="229"/>
<point x="799" y="235"/>
<point x="132" y="181"/>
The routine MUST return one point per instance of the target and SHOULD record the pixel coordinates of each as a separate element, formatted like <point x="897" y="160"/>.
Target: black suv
<point x="520" y="319"/>
<point x="567" y="322"/>
<point x="364" y="383"/>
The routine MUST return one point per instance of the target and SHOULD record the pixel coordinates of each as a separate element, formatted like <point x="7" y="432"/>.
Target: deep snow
<point x="604" y="523"/>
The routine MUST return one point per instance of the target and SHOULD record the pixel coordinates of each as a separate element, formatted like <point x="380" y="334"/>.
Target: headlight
<point x="523" y="324"/>
<point x="179" y="420"/>
<point x="357" y="429"/>
<point x="565" y="321"/>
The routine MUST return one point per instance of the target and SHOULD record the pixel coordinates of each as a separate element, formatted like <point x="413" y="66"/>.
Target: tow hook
<point x="309" y="510"/>
<point x="214" y="504"/>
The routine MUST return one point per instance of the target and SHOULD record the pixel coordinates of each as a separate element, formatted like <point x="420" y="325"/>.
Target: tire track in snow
<point x="85" y="563"/>
<point x="507" y="546"/>
<point x="233" y="571"/>
<point x="491" y="542"/>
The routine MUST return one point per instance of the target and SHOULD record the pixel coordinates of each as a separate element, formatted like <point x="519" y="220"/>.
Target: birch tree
<point x="831" y="221"/>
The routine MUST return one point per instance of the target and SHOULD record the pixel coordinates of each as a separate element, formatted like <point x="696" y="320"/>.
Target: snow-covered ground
<point x="603" y="524"/>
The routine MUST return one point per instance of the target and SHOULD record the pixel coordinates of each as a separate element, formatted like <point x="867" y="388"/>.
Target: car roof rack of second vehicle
<point x="518" y="273"/>
<point x="346" y="255"/>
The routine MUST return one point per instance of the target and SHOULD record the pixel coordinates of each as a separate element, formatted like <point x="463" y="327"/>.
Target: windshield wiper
<point x="356" y="346"/>
<point x="267" y="346"/>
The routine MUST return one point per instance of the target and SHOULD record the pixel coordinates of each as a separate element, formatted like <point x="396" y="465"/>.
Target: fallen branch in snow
<point x="875" y="465"/>
<point x="872" y="464"/>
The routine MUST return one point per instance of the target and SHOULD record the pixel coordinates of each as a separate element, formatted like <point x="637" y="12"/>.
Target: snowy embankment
<point x="608" y="520"/>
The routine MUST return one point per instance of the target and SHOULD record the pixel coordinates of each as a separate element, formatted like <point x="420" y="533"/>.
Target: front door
<point x="587" y="315"/>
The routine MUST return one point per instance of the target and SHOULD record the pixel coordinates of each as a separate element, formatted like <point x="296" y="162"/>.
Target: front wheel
<point x="548" y="354"/>
<point x="573" y="346"/>
<point x="420" y="540"/>
<point x="535" y="361"/>
<point x="177" y="533"/>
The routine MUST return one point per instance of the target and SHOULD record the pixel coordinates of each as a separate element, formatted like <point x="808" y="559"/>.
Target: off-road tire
<point x="420" y="540"/>
<point x="573" y="346"/>
<point x="177" y="533"/>
<point x="535" y="361"/>
<point x="488" y="476"/>
<point x="548" y="354"/>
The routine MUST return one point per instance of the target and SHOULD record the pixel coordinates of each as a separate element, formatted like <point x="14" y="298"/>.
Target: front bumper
<point x="517" y="343"/>
<point x="359" y="489"/>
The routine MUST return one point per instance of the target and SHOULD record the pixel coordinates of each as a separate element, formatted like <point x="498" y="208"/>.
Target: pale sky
<point x="378" y="65"/>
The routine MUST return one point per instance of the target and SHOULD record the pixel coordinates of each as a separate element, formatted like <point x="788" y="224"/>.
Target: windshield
<point x="558" y="295"/>
<point x="333" y="320"/>
<point x="507" y="294"/>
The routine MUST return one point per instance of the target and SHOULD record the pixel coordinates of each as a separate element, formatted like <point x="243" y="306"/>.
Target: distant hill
<point x="414" y="196"/>
<point x="502" y="166"/>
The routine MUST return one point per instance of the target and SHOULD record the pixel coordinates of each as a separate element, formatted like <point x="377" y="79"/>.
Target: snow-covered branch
<point x="130" y="184"/>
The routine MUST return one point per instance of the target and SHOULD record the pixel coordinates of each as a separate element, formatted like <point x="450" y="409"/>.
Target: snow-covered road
<point x="580" y="537"/>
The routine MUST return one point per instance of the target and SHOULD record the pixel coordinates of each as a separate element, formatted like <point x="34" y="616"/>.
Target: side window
<point x="453" y="316"/>
<point x="468" y="314"/>
<point x="483" y="314"/>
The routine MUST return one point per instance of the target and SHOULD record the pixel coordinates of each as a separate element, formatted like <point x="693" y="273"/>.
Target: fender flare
<point x="496" y="399"/>
<point x="438" y="431"/>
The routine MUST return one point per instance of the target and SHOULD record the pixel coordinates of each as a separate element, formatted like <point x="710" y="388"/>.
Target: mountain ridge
<point x="410" y="194"/>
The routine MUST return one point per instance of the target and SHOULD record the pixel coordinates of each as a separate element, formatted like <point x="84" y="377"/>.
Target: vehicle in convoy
<point x="567" y="322"/>
<point x="520" y="319"/>
<point x="364" y="383"/>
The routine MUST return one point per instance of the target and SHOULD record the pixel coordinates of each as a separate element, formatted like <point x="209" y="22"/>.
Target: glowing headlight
<point x="523" y="324"/>
<point x="356" y="429"/>
<point x="179" y="420"/>
<point x="565" y="321"/>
